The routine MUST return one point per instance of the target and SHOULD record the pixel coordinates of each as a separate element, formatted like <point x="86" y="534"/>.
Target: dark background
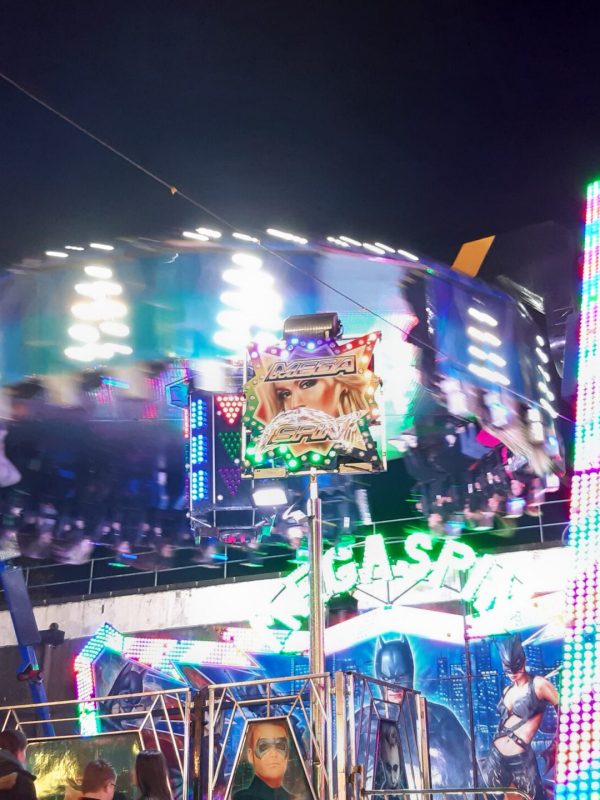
<point x="426" y="124"/>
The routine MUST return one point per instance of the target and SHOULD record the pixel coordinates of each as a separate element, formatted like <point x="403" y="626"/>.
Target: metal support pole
<point x="317" y="635"/>
<point x="27" y="635"/>
<point x="467" y="609"/>
<point x="315" y="546"/>
<point x="341" y="728"/>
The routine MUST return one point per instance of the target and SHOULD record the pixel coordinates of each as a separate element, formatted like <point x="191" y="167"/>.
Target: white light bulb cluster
<point x="373" y="248"/>
<point x="99" y="317"/>
<point x="379" y="248"/>
<point x="489" y="363"/>
<point x="203" y="234"/>
<point x="245" y="237"/>
<point x="251" y="306"/>
<point x="546" y="394"/>
<point x="286" y="236"/>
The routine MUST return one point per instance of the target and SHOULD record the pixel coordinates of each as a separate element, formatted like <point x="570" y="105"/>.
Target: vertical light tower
<point x="578" y="764"/>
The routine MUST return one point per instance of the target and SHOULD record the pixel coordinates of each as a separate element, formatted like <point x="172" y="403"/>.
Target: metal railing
<point x="159" y="720"/>
<point x="370" y="705"/>
<point x="351" y="707"/>
<point x="291" y="700"/>
<point x="232" y="563"/>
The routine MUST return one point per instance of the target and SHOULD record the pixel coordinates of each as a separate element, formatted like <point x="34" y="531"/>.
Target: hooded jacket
<point x="16" y="783"/>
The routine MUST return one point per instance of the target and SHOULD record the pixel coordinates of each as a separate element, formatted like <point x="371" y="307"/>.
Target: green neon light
<point x="485" y="584"/>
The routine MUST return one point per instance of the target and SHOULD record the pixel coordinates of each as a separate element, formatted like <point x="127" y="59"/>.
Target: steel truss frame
<point x="155" y="714"/>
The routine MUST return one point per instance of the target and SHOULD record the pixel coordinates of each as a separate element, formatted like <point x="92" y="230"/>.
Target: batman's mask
<point x="394" y="663"/>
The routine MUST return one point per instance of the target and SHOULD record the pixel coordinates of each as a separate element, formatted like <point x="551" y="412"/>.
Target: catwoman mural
<point x="511" y="760"/>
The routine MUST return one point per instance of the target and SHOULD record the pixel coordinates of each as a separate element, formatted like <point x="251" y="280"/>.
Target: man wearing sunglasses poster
<point x="268" y="754"/>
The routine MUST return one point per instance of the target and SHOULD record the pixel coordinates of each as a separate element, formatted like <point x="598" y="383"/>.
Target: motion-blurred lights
<point x="482" y="317"/>
<point x="350" y="241"/>
<point x="99" y="310"/>
<point x="483" y="355"/>
<point x="246" y="281"/>
<point x="56" y="254"/>
<point x="372" y="248"/>
<point x="200" y="237"/>
<point x="212" y="234"/>
<point x="112" y="328"/>
<point x="230" y="318"/>
<point x="270" y="496"/>
<point x="89" y="352"/>
<point x="99" y="289"/>
<point x="483" y="336"/>
<point x="84" y="333"/>
<point x="74" y="247"/>
<point x="286" y="236"/>
<point x="545" y="390"/>
<point x="230" y="339"/>
<point x="233" y="299"/>
<point x="244" y="300"/>
<point x="85" y="352"/>
<point x="542" y="356"/>
<point x="545" y="404"/>
<point x="267" y="338"/>
<point x="496" y="359"/>
<point x="96" y="271"/>
<point x="246" y="260"/>
<point x="337" y="242"/>
<point x="245" y="237"/>
<point x="121" y="349"/>
<point x="385" y="247"/>
<point x="488" y="374"/>
<point x="100" y="246"/>
<point x="406" y="254"/>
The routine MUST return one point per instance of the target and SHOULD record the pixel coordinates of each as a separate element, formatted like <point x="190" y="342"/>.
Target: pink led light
<point x="578" y="759"/>
<point x="160" y="654"/>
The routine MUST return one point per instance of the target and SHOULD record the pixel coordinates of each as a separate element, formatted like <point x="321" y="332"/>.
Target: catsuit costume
<point x="519" y="770"/>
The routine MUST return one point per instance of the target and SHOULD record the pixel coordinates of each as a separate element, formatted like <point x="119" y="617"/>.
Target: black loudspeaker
<point x="19" y="604"/>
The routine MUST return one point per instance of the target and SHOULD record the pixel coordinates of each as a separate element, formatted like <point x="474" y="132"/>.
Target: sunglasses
<point x="279" y="743"/>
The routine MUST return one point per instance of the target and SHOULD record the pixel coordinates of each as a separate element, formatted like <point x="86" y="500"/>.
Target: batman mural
<point x="449" y="744"/>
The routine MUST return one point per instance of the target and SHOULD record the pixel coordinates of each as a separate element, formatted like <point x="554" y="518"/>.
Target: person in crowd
<point x="152" y="776"/>
<point x="99" y="781"/>
<point x="16" y="783"/>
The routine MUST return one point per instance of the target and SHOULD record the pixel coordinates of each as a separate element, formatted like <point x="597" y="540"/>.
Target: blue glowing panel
<point x="474" y="334"/>
<point x="200" y="470"/>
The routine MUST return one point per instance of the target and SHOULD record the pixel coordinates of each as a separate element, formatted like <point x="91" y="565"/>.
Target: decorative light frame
<point x="578" y="762"/>
<point x="155" y="653"/>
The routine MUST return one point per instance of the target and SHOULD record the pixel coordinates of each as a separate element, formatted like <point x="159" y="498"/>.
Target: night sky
<point x="423" y="124"/>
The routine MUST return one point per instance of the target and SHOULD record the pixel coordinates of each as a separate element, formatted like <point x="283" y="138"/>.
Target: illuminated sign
<point x="159" y="653"/>
<point x="578" y="762"/>
<point x="481" y="581"/>
<point x="310" y="404"/>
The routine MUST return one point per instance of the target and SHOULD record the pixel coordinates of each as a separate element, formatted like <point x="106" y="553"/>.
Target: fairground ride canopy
<point x="203" y="297"/>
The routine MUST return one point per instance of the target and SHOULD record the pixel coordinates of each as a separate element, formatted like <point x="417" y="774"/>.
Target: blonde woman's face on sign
<point x="322" y="394"/>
